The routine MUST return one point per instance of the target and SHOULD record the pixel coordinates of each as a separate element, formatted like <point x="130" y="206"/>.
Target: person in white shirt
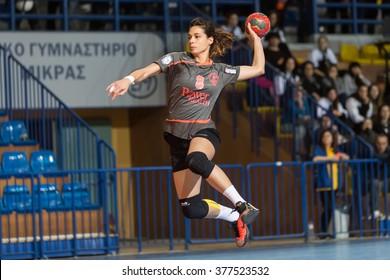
<point x="359" y="107"/>
<point x="232" y="26"/>
<point x="286" y="80"/>
<point x="354" y="78"/>
<point x="330" y="102"/>
<point x="322" y="56"/>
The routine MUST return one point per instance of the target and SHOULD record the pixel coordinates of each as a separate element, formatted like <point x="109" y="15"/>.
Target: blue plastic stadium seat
<point x="3" y="210"/>
<point x="16" y="164"/>
<point x="81" y="196"/>
<point x="3" y="175"/>
<point x="45" y="161"/>
<point x="17" y="198"/>
<point x="47" y="196"/>
<point x="15" y="132"/>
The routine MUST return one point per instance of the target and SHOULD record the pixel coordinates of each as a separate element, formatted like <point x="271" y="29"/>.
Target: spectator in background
<point x="274" y="53"/>
<point x="375" y="96"/>
<point x="382" y="121"/>
<point x="26" y="7"/>
<point x="366" y="132"/>
<point x="326" y="123"/>
<point x="287" y="80"/>
<point x="354" y="78"/>
<point x="359" y="107"/>
<point x="330" y="102"/>
<point x="310" y="81"/>
<point x="328" y="177"/>
<point x="322" y="56"/>
<point x="278" y="6"/>
<point x="343" y="14"/>
<point x="298" y="113"/>
<point x="333" y="80"/>
<point x="275" y="28"/>
<point x="382" y="153"/>
<point x="231" y="25"/>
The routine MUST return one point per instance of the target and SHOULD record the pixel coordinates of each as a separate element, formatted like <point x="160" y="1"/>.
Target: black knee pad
<point x="198" y="163"/>
<point x="194" y="207"/>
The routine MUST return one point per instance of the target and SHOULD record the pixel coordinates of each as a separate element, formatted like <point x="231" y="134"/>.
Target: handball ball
<point x="259" y="23"/>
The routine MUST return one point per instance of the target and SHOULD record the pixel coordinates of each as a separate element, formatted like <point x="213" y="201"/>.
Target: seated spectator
<point x="366" y="131"/>
<point x="322" y="56"/>
<point x="310" y="81"/>
<point x="287" y="80"/>
<point x="326" y="123"/>
<point x="382" y="153"/>
<point x="332" y="79"/>
<point x="375" y="96"/>
<point x="330" y="102"/>
<point x="298" y="113"/>
<point x="328" y="177"/>
<point x="275" y="28"/>
<point x="231" y="25"/>
<point x="359" y="107"/>
<point x="354" y="78"/>
<point x="274" y="54"/>
<point x="382" y="122"/>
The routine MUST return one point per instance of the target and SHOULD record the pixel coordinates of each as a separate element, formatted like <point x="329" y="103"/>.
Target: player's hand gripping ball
<point x="259" y="23"/>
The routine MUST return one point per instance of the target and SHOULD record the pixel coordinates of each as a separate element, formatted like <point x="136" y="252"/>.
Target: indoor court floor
<point x="358" y="249"/>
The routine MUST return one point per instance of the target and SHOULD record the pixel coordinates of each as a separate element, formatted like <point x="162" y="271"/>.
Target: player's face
<point x="198" y="40"/>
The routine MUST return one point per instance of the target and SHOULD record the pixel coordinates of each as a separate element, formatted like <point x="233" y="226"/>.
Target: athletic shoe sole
<point x="249" y="215"/>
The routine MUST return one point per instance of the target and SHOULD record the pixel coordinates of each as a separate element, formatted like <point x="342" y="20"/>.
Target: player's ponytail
<point x="223" y="40"/>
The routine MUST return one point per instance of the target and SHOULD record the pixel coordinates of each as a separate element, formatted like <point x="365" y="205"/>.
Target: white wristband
<point x="131" y="79"/>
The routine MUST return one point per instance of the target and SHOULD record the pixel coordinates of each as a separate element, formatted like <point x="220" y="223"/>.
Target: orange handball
<point x="259" y="23"/>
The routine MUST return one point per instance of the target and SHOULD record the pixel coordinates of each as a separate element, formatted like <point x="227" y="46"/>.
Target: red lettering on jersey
<point x="199" y="82"/>
<point x="213" y="78"/>
<point x="200" y="98"/>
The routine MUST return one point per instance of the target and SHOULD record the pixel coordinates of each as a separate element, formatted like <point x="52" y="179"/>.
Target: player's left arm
<point x="258" y="64"/>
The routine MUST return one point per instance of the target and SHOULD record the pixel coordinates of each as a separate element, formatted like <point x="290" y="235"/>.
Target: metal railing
<point x="140" y="209"/>
<point x="355" y="9"/>
<point x="51" y="219"/>
<point x="168" y="15"/>
<point x="49" y="121"/>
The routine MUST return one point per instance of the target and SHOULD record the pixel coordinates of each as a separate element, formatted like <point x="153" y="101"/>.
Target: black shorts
<point x="179" y="147"/>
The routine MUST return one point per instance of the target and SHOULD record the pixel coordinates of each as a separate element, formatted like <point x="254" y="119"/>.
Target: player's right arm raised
<point x="258" y="64"/>
<point x="120" y="87"/>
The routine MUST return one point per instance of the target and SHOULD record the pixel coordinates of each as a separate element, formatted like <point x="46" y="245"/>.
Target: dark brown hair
<point x="334" y="138"/>
<point x="223" y="40"/>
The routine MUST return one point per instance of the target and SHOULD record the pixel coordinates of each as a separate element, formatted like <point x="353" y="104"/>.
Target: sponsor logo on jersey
<point x="167" y="59"/>
<point x="185" y="203"/>
<point x="200" y="98"/>
<point x="213" y="78"/>
<point x="231" y="71"/>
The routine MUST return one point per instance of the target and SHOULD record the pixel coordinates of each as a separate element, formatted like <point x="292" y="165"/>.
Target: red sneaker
<point x="241" y="231"/>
